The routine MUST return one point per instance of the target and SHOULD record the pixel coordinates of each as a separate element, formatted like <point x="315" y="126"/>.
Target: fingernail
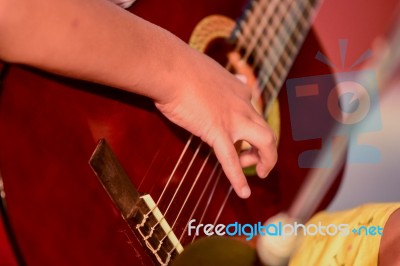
<point x="262" y="173"/>
<point x="245" y="192"/>
<point x="265" y="174"/>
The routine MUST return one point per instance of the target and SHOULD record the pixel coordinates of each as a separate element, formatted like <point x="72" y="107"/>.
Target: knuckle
<point x="268" y="139"/>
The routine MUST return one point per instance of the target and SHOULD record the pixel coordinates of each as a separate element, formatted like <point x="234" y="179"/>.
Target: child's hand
<point x="212" y="104"/>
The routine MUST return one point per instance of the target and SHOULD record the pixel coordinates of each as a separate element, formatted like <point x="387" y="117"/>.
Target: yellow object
<point x="354" y="249"/>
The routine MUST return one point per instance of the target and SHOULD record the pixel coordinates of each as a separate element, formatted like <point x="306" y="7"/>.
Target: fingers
<point x="266" y="146"/>
<point x="228" y="157"/>
<point x="249" y="158"/>
<point x="263" y="153"/>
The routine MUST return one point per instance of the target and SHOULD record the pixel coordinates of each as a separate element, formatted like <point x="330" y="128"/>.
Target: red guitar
<point x="50" y="126"/>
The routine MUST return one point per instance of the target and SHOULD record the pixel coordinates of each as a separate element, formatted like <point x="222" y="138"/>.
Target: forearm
<point x="97" y="41"/>
<point x="92" y="40"/>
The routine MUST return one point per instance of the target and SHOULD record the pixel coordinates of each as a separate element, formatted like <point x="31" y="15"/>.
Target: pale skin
<point x="63" y="37"/>
<point x="87" y="39"/>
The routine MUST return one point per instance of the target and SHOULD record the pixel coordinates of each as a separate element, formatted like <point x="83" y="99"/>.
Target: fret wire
<point x="275" y="26"/>
<point x="267" y="82"/>
<point x="282" y="61"/>
<point x="260" y="52"/>
<point x="276" y="62"/>
<point x="299" y="38"/>
<point x="271" y="75"/>
<point x="258" y="11"/>
<point x="285" y="57"/>
<point x="269" y="72"/>
<point x="248" y="36"/>
<point x="271" y="89"/>
<point x="279" y="48"/>
<point x="268" y="19"/>
<point x="259" y="30"/>
<point x="276" y="70"/>
<point x="307" y="7"/>
<point x="249" y="23"/>
<point x="292" y="25"/>
<point x="252" y="14"/>
<point x="240" y="34"/>
<point x="245" y="28"/>
<point x="276" y="23"/>
<point x="302" y="17"/>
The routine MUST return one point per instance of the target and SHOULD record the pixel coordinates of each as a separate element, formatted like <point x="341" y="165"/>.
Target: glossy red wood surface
<point x="49" y="127"/>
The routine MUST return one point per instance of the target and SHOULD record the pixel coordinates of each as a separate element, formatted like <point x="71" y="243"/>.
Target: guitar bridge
<point x="155" y="231"/>
<point x="139" y="211"/>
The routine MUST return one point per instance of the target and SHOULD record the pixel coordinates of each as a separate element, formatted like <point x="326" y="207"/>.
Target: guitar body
<point x="49" y="127"/>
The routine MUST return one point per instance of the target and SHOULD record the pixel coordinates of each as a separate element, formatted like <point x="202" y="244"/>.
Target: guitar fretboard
<point x="269" y="36"/>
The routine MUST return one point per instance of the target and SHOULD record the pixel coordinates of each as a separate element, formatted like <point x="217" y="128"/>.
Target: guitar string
<point x="191" y="188"/>
<point x="252" y="17"/>
<point x="227" y="195"/>
<point x="175" y="168"/>
<point x="177" y="191"/>
<point x="185" y="149"/>
<point x="200" y="199"/>
<point x="223" y="205"/>
<point x="305" y="24"/>
<point x="183" y="205"/>
<point x="247" y="30"/>
<point x="275" y="47"/>
<point x="266" y="81"/>
<point x="277" y="25"/>
<point x="169" y="253"/>
<point x="146" y="175"/>
<point x="270" y="47"/>
<point x="250" y="41"/>
<point x="290" y="25"/>
<point x="211" y="195"/>
<point x="230" y="188"/>
<point x="175" y="194"/>
<point x="247" y="27"/>
<point x="209" y="200"/>
<point x="182" y="180"/>
<point x="243" y="39"/>
<point x="261" y="13"/>
<point x="152" y="229"/>
<point x="271" y="79"/>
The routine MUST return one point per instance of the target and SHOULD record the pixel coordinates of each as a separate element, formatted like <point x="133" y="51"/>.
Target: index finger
<point x="226" y="153"/>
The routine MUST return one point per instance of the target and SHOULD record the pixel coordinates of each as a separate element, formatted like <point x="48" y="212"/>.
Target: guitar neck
<point x="269" y="36"/>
